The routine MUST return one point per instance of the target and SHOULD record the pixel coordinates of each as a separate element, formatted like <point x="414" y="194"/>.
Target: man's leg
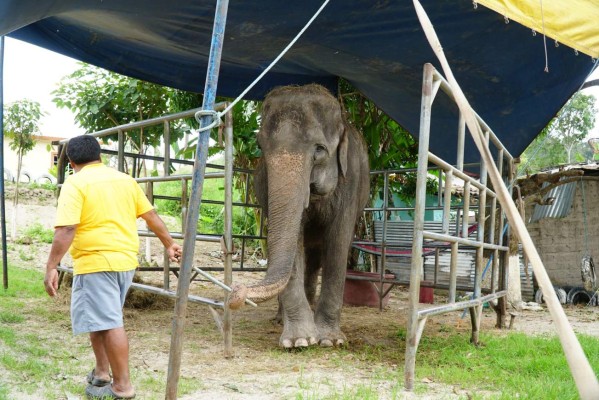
<point x="102" y="369"/>
<point x="114" y="345"/>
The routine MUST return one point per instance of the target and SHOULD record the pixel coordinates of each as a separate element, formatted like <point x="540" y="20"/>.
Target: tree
<point x="101" y="99"/>
<point x="21" y="121"/>
<point x="562" y="139"/>
<point x="574" y="121"/>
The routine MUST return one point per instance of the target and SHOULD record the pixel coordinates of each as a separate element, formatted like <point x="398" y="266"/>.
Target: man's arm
<point x="63" y="237"/>
<point x="157" y="226"/>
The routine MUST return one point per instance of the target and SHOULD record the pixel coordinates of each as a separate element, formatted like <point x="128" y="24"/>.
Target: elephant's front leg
<point x="298" y="319"/>
<point x="328" y="311"/>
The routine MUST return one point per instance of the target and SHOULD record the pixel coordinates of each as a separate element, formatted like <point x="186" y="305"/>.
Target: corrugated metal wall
<point x="562" y="203"/>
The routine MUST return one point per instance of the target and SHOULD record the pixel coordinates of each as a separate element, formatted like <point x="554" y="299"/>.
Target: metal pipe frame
<point x="150" y="122"/>
<point x="228" y="236"/>
<point x="195" y="200"/>
<point x="2" y="200"/>
<point x="485" y="240"/>
<point x="161" y="292"/>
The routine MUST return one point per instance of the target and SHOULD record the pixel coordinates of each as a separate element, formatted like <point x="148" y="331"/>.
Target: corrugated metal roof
<point x="562" y="204"/>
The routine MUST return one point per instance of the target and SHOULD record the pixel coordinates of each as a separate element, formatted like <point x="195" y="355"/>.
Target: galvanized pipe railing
<point x="486" y="239"/>
<point x="149" y="122"/>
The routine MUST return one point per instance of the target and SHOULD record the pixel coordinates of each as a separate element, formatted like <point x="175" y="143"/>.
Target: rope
<point x="587" y="266"/>
<point x="217" y="115"/>
<point x="544" y="37"/>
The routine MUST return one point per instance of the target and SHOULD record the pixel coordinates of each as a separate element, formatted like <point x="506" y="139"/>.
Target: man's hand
<point x="157" y="226"/>
<point x="174" y="252"/>
<point x="63" y="237"/>
<point x="51" y="281"/>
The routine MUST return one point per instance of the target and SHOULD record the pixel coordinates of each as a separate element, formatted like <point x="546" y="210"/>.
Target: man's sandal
<point x="92" y="380"/>
<point x="103" y="393"/>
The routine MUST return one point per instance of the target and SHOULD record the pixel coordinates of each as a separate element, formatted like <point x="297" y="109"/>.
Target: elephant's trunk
<point x="288" y="196"/>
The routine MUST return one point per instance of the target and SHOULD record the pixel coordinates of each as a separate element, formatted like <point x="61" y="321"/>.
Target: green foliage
<point x="211" y="215"/>
<point x="21" y="121"/>
<point x="562" y="140"/>
<point x="44" y="185"/>
<point x="168" y="207"/>
<point x="390" y="146"/>
<point x="574" y="121"/>
<point x="101" y="99"/>
<point x="38" y="233"/>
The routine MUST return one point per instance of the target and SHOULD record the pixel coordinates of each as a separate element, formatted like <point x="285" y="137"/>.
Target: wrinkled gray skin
<point x="313" y="183"/>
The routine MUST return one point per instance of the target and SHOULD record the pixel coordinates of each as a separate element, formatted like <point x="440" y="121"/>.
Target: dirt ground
<point x="260" y="370"/>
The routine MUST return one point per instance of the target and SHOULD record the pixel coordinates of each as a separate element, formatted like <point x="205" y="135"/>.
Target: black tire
<point x="8" y="175"/>
<point x="27" y="175"/>
<point x="561" y="295"/>
<point x="559" y="292"/>
<point x="45" y="178"/>
<point x="578" y="295"/>
<point x="539" y="296"/>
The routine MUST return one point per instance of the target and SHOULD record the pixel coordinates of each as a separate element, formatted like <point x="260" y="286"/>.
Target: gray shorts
<point x="97" y="300"/>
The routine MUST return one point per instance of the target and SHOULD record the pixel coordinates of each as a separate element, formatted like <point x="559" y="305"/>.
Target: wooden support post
<point x="417" y="262"/>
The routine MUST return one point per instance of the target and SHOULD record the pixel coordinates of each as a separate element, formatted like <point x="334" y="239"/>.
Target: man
<point x="96" y="218"/>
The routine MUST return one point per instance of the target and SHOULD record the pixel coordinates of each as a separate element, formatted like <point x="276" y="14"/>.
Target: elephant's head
<point x="304" y="142"/>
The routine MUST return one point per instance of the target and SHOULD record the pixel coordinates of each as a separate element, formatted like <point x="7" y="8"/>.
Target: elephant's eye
<point x="320" y="152"/>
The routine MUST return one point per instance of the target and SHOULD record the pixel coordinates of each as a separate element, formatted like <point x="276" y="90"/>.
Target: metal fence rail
<point x="490" y="242"/>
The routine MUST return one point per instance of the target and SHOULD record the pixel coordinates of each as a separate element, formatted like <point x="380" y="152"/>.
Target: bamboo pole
<point x="584" y="377"/>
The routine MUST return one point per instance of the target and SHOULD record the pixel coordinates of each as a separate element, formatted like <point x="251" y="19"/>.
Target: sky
<point x="32" y="72"/>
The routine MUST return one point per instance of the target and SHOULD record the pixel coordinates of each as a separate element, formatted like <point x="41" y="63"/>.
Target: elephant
<point x="313" y="183"/>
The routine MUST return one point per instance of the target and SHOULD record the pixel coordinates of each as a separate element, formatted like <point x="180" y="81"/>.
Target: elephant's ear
<point x="342" y="151"/>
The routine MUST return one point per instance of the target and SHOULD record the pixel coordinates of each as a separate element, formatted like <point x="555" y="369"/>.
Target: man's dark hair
<point x="83" y="149"/>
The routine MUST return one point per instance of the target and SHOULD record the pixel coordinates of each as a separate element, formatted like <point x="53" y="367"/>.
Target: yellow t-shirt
<point x="104" y="204"/>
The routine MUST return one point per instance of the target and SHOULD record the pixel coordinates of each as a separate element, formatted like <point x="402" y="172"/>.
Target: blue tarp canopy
<point x="377" y="45"/>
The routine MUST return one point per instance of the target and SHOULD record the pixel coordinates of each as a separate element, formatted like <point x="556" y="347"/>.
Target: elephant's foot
<point x="331" y="337"/>
<point x="298" y="335"/>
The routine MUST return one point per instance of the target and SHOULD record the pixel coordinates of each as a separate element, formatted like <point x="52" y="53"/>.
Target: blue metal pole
<point x="2" y="207"/>
<point x="195" y="200"/>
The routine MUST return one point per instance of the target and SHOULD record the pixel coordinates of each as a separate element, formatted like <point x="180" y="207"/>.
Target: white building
<point x="36" y="163"/>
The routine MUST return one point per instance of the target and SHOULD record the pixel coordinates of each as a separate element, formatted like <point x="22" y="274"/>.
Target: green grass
<point x="8" y="317"/>
<point x="515" y="365"/>
<point x="45" y="185"/>
<point x="32" y="358"/>
<point x="3" y="393"/>
<point x="27" y="356"/>
<point x="505" y="366"/>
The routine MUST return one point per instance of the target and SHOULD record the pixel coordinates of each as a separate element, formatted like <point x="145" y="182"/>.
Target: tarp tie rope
<point x="272" y="64"/>
<point x="544" y="37"/>
<point x="584" y="216"/>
